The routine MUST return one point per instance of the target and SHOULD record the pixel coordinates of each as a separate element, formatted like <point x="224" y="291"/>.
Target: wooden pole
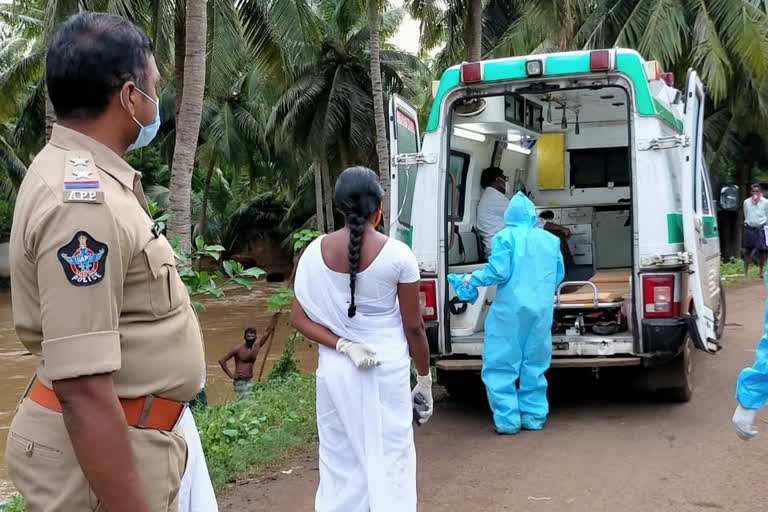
<point x="275" y="318"/>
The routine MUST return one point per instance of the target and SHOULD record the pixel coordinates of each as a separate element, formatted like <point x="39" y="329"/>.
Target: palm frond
<point x="225" y="42"/>
<point x="665" y="32"/>
<point x="709" y="56"/>
<point x="15" y="80"/>
<point x="389" y="23"/>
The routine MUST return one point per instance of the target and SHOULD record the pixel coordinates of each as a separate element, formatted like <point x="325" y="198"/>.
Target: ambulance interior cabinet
<point x="613" y="239"/>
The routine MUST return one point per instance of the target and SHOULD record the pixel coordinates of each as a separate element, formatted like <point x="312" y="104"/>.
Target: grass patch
<point x="733" y="272"/>
<point x="246" y="436"/>
<point x="16" y="504"/>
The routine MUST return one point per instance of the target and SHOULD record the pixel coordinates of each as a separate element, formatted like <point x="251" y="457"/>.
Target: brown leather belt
<point x="150" y="412"/>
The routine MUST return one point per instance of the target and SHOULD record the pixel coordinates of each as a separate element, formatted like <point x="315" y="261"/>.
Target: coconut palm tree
<point x="454" y="27"/>
<point x="188" y="121"/>
<point x="382" y="150"/>
<point x="325" y="107"/>
<point x="34" y="22"/>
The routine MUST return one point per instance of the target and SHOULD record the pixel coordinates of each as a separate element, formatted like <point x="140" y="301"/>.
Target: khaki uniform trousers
<point x="44" y="469"/>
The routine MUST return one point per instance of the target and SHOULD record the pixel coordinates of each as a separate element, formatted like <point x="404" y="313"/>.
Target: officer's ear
<point x="128" y="97"/>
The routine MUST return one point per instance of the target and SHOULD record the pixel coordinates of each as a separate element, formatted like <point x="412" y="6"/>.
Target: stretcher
<point x="605" y="290"/>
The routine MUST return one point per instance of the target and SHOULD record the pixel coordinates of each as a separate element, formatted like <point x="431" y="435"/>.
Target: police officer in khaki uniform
<point x="96" y="294"/>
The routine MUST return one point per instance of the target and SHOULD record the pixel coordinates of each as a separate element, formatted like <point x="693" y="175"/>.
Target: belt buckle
<point x="142" y="423"/>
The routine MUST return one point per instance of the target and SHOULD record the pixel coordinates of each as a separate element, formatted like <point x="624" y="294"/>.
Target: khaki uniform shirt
<point x="95" y="289"/>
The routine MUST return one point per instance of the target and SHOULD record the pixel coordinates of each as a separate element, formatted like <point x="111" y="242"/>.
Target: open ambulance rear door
<point x="700" y="239"/>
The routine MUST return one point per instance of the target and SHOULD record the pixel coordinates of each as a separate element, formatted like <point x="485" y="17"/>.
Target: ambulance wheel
<point x="680" y="369"/>
<point x="462" y="386"/>
<point x="720" y="315"/>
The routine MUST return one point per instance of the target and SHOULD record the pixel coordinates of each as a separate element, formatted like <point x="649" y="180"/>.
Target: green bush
<point x="287" y="365"/>
<point x="244" y="436"/>
<point x="6" y="216"/>
<point x="15" y="505"/>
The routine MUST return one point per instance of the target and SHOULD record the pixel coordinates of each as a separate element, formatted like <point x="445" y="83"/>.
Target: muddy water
<point x="223" y="321"/>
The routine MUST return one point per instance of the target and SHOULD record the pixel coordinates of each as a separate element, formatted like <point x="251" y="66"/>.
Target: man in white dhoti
<point x="357" y="295"/>
<point x="196" y="492"/>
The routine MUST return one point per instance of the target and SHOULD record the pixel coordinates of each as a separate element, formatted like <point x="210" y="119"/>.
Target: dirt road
<point x="603" y="449"/>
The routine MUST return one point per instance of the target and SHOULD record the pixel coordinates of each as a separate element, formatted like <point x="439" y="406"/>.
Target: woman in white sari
<point x="357" y="296"/>
<point x="196" y="492"/>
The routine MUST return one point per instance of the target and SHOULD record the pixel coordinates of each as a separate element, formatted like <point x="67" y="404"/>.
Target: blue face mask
<point x="146" y="133"/>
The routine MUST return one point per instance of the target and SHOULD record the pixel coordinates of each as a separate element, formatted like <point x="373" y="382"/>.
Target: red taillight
<point x="659" y="297"/>
<point x="600" y="60"/>
<point x="428" y="300"/>
<point x="669" y="78"/>
<point x="471" y="72"/>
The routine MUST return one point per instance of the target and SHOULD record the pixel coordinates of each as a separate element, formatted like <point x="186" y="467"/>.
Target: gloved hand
<point x="424" y="389"/>
<point x="361" y="354"/>
<point x="743" y="419"/>
<point x="464" y="290"/>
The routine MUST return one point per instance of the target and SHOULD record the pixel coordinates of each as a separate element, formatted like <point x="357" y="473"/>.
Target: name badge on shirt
<point x="83" y="196"/>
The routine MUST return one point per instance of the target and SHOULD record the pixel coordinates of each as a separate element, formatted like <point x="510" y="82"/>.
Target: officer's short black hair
<point x="248" y="331"/>
<point x="90" y="57"/>
<point x="490" y="175"/>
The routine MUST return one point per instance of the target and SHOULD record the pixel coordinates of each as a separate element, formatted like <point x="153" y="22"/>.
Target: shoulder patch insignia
<point x="80" y="171"/>
<point x="84" y="260"/>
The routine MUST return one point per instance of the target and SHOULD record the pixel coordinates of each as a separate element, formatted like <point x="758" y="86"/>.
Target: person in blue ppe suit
<point x="526" y="264"/>
<point x="752" y="388"/>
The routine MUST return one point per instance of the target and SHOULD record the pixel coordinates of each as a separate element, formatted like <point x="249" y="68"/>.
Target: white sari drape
<point x="367" y="455"/>
<point x="196" y="492"/>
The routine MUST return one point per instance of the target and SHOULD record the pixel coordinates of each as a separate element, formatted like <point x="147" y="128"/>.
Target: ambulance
<point x="603" y="144"/>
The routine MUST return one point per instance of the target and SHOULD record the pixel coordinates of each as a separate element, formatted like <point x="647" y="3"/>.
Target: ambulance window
<point x="407" y="142"/>
<point x="599" y="167"/>
<point x="458" y="167"/>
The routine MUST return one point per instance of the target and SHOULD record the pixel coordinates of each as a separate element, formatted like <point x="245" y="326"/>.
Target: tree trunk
<point x="206" y="190"/>
<point x="567" y="34"/>
<point x="50" y="114"/>
<point x="327" y="197"/>
<point x="179" y="52"/>
<point x="344" y="153"/>
<point x="473" y="31"/>
<point x="382" y="150"/>
<point x="319" y="210"/>
<point x="188" y="123"/>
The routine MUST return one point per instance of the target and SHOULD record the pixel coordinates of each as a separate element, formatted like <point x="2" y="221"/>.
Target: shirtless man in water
<point x="245" y="357"/>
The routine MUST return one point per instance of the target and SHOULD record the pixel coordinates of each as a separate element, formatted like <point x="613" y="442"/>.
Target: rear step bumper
<point x="570" y="362"/>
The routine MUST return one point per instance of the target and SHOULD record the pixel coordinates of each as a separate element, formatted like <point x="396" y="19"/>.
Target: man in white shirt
<point x="493" y="204"/>
<point x="755" y="220"/>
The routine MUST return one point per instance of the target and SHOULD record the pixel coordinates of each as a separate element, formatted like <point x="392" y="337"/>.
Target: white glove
<point x="361" y="354"/>
<point x="743" y="419"/>
<point x="466" y="279"/>
<point x="424" y="389"/>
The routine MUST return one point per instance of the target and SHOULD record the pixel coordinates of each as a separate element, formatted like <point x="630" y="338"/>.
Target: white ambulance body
<point x="603" y="142"/>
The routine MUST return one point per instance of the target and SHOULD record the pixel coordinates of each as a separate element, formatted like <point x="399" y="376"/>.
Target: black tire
<point x="463" y="386"/>
<point x="680" y="369"/>
<point x="720" y="315"/>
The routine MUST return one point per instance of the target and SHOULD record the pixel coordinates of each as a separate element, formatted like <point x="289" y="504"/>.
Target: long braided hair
<point x="358" y="195"/>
